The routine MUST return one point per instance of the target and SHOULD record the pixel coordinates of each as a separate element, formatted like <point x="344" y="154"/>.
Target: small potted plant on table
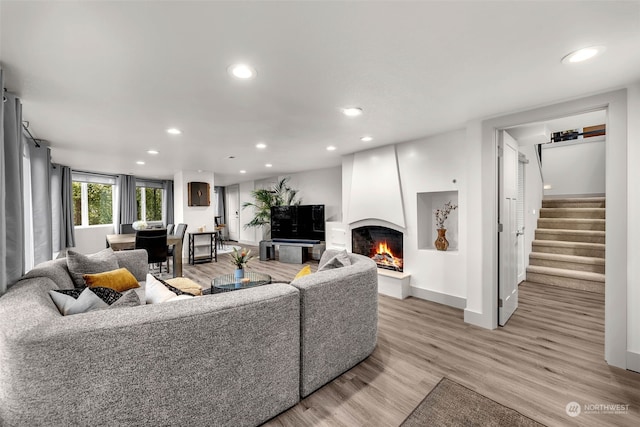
<point x="240" y="258"/>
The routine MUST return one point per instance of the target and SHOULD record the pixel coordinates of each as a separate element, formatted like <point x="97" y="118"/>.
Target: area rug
<point x="451" y="404"/>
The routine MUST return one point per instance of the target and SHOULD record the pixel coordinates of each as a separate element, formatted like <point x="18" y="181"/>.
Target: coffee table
<point x="228" y="282"/>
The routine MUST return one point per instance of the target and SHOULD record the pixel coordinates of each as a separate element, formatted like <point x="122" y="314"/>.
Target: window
<point x="149" y="198"/>
<point x="92" y="199"/>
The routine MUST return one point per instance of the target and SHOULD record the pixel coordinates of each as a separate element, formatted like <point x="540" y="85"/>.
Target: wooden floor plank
<point x="550" y="353"/>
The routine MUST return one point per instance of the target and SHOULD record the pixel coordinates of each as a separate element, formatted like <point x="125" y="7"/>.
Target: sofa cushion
<point x="341" y="259"/>
<point x="119" y="280"/>
<point x="74" y="301"/>
<point x="80" y="264"/>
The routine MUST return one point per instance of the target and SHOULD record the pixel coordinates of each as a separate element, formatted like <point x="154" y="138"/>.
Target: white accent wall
<point x="574" y="168"/>
<point x="428" y="165"/>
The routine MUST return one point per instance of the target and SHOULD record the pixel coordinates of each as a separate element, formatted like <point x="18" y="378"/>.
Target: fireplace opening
<point x="381" y="244"/>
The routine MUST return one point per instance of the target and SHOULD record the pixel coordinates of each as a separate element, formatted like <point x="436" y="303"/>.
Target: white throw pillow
<point x="86" y="301"/>
<point x="156" y="292"/>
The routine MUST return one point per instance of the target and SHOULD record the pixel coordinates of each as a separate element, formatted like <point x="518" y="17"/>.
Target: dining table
<point x="121" y="242"/>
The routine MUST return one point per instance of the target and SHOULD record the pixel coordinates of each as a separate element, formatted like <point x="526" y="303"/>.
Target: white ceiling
<point x="102" y="81"/>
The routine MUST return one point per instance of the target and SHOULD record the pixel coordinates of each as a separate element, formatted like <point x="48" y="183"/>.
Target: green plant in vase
<point x="280" y="194"/>
<point x="240" y="258"/>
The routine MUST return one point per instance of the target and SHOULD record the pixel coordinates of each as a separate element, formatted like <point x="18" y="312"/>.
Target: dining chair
<point x="155" y="243"/>
<point x="170" y="228"/>
<point x="179" y="230"/>
<point x="127" y="229"/>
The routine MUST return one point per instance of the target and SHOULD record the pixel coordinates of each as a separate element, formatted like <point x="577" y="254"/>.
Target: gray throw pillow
<point x="128" y="299"/>
<point x="79" y="264"/>
<point x="341" y="259"/>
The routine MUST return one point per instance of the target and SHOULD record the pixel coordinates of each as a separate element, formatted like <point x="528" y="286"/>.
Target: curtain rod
<point x="26" y="129"/>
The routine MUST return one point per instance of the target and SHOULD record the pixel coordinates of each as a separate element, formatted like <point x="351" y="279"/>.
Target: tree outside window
<point x="149" y="201"/>
<point x="92" y="203"/>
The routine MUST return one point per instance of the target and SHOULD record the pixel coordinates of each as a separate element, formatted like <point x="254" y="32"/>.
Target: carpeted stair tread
<point x="567" y="258"/>
<point x="564" y="244"/>
<point x="578" y="202"/>
<point x="584" y="213"/>
<point x="561" y="272"/>
<point x="596" y="224"/>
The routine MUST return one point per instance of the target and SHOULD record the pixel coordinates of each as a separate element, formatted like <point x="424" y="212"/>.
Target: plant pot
<point x="441" y="243"/>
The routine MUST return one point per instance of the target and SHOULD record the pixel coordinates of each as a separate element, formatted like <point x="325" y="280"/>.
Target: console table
<point x="295" y="252"/>
<point x="208" y="243"/>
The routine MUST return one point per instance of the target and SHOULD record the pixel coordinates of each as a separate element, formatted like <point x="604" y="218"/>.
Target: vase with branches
<point x="441" y="243"/>
<point x="280" y="194"/>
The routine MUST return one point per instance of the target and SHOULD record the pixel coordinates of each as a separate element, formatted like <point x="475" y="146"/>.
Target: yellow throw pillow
<point x="119" y="280"/>
<point x="306" y="270"/>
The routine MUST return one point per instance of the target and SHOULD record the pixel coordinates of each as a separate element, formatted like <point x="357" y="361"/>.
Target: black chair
<point x="155" y="243"/>
<point x="127" y="229"/>
<point x="179" y="230"/>
<point x="170" y="228"/>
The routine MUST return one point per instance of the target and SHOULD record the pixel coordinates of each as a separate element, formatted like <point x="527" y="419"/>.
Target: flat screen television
<point x="298" y="223"/>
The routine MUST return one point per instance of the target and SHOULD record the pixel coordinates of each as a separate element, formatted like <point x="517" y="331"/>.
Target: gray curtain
<point x="219" y="193"/>
<point x="167" y="202"/>
<point x="62" y="208"/>
<point x="11" y="200"/>
<point x="40" y="160"/>
<point x="128" y="208"/>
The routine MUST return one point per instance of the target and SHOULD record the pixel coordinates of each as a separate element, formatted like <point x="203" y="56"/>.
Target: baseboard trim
<point x="440" y="298"/>
<point x="633" y="361"/>
<point x="478" y="319"/>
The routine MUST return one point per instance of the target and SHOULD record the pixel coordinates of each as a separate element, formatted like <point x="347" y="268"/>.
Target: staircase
<point x="568" y="250"/>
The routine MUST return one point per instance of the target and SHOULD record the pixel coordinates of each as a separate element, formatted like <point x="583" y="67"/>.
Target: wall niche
<point x="427" y="234"/>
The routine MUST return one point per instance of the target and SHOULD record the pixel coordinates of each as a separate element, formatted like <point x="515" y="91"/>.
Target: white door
<point x="508" y="227"/>
<point x="233" y="212"/>
<point x="521" y="250"/>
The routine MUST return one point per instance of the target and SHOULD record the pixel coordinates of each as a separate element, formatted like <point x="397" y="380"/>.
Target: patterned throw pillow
<point x="173" y="288"/>
<point x="74" y="301"/>
<point x="157" y="291"/>
<point x="79" y="264"/>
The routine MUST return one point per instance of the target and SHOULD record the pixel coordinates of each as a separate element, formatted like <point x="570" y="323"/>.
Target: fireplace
<point x="381" y="244"/>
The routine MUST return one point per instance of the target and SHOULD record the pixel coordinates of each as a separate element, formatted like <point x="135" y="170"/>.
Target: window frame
<point x="84" y="179"/>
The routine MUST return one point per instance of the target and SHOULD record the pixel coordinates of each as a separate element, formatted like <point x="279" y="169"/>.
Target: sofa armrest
<point x="339" y="321"/>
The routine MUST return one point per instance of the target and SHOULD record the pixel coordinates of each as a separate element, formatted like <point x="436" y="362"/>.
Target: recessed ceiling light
<point x="242" y="71"/>
<point x="366" y="139"/>
<point x="153" y="152"/>
<point x="352" y="111"/>
<point x="261" y="145"/>
<point x="331" y="148"/>
<point x="139" y="162"/>
<point x="231" y="157"/>
<point x="582" y="54"/>
<point x="268" y="165"/>
<point x="174" y="131"/>
<point x="243" y="171"/>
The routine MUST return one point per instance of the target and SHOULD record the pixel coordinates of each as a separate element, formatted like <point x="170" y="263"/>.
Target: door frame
<point x="615" y="103"/>
<point x="234" y="188"/>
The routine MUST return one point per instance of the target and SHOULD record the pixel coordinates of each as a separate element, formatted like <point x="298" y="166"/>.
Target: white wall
<point x="193" y="216"/>
<point x="428" y="165"/>
<point x="574" y="168"/>
<point x="633" y="267"/>
<point x="248" y="236"/>
<point x="92" y="239"/>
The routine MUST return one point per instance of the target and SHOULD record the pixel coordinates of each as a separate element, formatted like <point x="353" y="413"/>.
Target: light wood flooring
<point x="549" y="354"/>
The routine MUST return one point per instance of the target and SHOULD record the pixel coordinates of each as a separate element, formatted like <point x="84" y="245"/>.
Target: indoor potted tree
<point x="280" y="194"/>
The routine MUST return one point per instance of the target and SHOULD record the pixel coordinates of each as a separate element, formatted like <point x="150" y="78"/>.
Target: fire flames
<point x="385" y="258"/>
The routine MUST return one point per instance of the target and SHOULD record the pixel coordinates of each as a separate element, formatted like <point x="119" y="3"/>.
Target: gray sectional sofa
<point x="232" y="359"/>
